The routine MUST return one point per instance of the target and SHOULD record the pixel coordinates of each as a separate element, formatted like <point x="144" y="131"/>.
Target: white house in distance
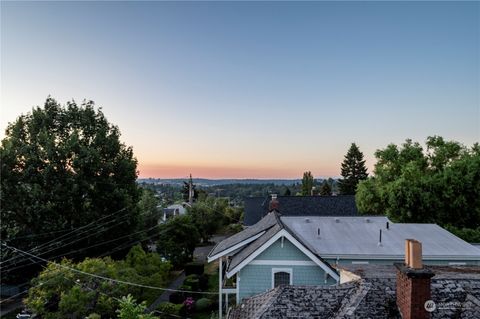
<point x="173" y="210"/>
<point x="306" y="251"/>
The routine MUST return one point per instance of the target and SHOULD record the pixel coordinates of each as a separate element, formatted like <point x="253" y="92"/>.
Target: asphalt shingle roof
<point x="269" y="221"/>
<point x="257" y="207"/>
<point x="373" y="296"/>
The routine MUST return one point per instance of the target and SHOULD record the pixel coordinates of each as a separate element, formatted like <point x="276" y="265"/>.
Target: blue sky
<point x="250" y="89"/>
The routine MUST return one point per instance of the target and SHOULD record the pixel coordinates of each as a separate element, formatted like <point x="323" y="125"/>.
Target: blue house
<point x="306" y="251"/>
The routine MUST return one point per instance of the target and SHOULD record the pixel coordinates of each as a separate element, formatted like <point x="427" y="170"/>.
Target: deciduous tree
<point x="64" y="167"/>
<point x="438" y="185"/>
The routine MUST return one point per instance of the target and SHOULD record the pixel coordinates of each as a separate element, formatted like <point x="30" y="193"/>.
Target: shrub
<point x="169" y="308"/>
<point x="203" y="304"/>
<point x="192" y="281"/>
<point x="194" y="268"/>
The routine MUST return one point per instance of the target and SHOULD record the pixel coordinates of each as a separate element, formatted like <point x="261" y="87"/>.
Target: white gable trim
<point x="283" y="262"/>
<point x="302" y="248"/>
<point x="235" y="247"/>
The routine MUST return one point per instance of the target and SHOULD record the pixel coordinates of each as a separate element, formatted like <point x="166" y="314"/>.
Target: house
<point x="257" y="207"/>
<point x="307" y="250"/>
<point x="409" y="291"/>
<point x="174" y="210"/>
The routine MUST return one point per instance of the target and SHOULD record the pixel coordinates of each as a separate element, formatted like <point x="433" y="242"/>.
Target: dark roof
<point x="343" y="205"/>
<point x="372" y="296"/>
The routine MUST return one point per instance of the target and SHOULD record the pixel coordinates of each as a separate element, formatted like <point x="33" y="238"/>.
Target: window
<point x="281" y="276"/>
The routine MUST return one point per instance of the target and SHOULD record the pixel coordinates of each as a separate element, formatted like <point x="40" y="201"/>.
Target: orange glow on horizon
<point x="183" y="171"/>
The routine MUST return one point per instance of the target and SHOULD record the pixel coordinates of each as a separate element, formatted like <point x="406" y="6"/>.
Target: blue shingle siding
<point x="255" y="279"/>
<point x="288" y="252"/>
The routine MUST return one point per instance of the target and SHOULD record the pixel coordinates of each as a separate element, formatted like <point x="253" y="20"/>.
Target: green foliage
<point x="468" y="234"/>
<point x="168" y="308"/>
<point x="150" y="214"/>
<point x="325" y="189"/>
<point x="129" y="309"/>
<point x="307" y="183"/>
<point x="58" y="292"/>
<point x="63" y="168"/>
<point x="439" y="185"/>
<point x="211" y="214"/>
<point x="177" y="239"/>
<point x="353" y="171"/>
<point x="234" y="228"/>
<point x="203" y="304"/>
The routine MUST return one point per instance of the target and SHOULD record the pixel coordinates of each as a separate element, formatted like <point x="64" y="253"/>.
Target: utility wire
<point x="107" y="278"/>
<point x="79" y="250"/>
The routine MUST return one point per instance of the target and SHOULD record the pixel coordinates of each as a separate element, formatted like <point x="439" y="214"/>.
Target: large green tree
<point x="307" y="183"/>
<point x="177" y="240"/>
<point x="353" y="171"/>
<point x="64" y="168"/>
<point x="439" y="184"/>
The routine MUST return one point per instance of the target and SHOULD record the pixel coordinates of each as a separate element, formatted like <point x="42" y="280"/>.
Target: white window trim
<point x="287" y="270"/>
<point x="283" y="262"/>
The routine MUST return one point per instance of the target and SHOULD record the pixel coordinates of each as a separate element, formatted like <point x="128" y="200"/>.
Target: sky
<point x="250" y="89"/>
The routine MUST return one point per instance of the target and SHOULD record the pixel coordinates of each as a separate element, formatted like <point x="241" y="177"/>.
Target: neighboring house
<point x="305" y="251"/>
<point x="375" y="291"/>
<point x="257" y="207"/>
<point x="174" y="210"/>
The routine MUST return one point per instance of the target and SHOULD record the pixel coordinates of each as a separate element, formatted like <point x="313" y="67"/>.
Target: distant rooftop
<point x="257" y="207"/>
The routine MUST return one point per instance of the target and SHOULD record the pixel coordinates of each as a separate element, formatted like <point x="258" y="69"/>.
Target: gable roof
<point x="247" y="244"/>
<point x="243" y="237"/>
<point x="343" y="205"/>
<point x="372" y="296"/>
<point x="358" y="237"/>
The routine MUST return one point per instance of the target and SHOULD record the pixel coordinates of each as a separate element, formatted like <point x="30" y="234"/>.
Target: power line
<point x="79" y="250"/>
<point x="110" y="279"/>
<point x="55" y="240"/>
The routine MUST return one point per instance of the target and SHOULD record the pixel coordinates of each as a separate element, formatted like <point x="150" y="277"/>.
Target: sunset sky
<point x="250" y="89"/>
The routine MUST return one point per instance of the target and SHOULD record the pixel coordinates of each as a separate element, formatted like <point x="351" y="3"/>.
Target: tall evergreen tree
<point x="307" y="183"/>
<point x="353" y="171"/>
<point x="325" y="189"/>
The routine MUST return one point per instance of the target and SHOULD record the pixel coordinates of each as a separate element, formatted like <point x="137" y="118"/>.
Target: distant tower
<point x="190" y="191"/>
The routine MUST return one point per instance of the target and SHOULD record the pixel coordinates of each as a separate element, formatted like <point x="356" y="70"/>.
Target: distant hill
<point x="217" y="182"/>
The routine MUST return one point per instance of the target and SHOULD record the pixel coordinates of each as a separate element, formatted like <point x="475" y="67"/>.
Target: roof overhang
<point x="234" y="247"/>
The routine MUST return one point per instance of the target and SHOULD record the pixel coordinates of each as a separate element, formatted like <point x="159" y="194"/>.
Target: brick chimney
<point x="274" y="204"/>
<point x="413" y="283"/>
